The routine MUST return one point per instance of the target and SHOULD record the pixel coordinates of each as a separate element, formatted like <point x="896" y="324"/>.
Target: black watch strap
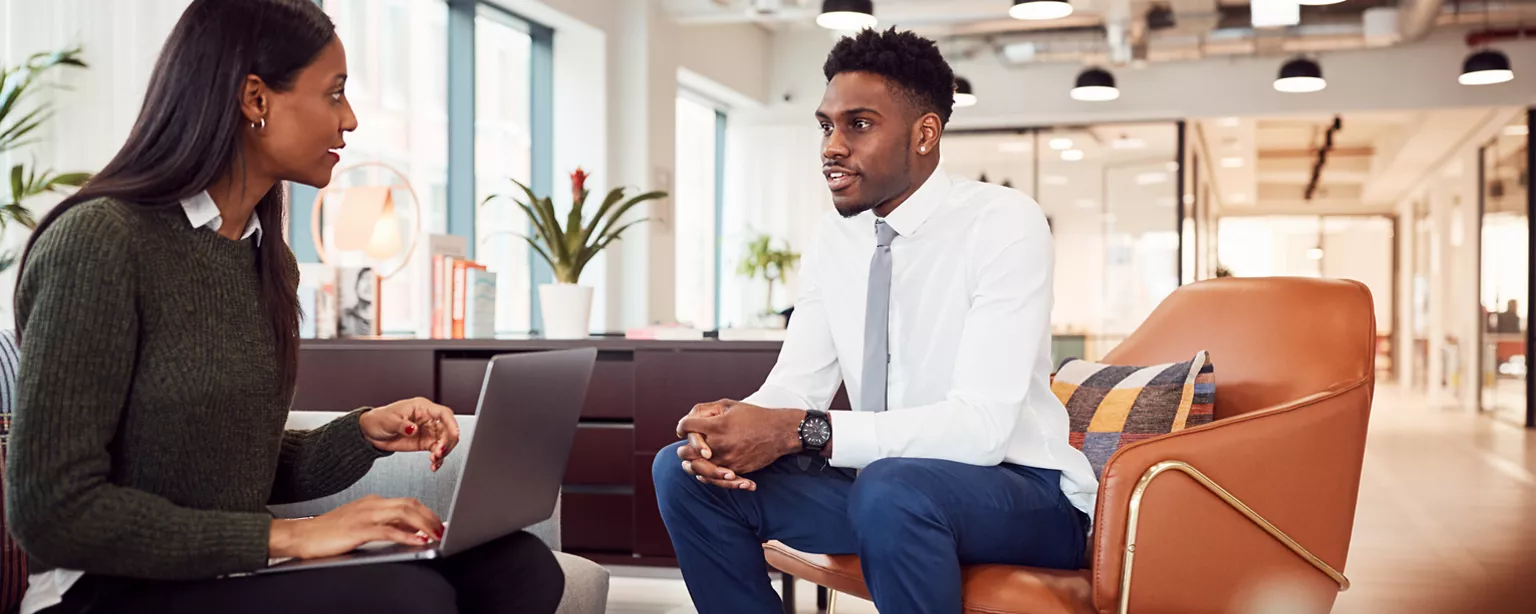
<point x="810" y="443"/>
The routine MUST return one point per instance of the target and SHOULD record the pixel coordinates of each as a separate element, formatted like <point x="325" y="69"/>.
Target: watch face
<point x="816" y="432"/>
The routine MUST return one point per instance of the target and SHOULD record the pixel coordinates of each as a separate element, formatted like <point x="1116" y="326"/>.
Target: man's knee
<point x="668" y="475"/>
<point x="889" y="495"/>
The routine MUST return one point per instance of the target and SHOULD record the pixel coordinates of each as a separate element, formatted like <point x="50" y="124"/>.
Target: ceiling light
<point x="1299" y="76"/>
<point x="1228" y="122"/>
<point x="1126" y="142"/>
<point x="1517" y="130"/>
<point x="1274" y="13"/>
<point x="1237" y="198"/>
<point x="1061" y="144"/>
<point x="963" y="95"/>
<point x="1072" y="155"/>
<point x="1039" y="10"/>
<point x="847" y="15"/>
<point x="1315" y="253"/>
<point x="1095" y="85"/>
<point x="1151" y="178"/>
<point x="1232" y="162"/>
<point x="1053" y="180"/>
<point x="1317" y="2"/>
<point x="1486" y="67"/>
<point x="1173" y="167"/>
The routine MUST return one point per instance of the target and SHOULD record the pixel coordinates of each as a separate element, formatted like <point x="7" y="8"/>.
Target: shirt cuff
<point x="854" y="442"/>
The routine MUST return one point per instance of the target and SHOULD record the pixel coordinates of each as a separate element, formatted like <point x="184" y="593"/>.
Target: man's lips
<point x="838" y="179"/>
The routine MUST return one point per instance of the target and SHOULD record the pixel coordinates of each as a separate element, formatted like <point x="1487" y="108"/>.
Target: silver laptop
<point x="513" y="465"/>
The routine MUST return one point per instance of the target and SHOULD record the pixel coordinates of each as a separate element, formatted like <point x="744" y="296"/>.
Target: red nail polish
<point x="439" y="534"/>
<point x="423" y="540"/>
<point x="410" y="429"/>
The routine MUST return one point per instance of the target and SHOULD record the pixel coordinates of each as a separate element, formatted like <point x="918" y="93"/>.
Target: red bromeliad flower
<point x="578" y="184"/>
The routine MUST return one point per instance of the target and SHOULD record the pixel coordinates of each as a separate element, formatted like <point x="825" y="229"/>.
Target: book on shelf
<point x="429" y="262"/>
<point x="317" y="301"/>
<point x="480" y="304"/>
<point x="453" y="300"/>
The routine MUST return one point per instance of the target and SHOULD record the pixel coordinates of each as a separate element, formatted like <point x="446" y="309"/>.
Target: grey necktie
<point x="877" y="311"/>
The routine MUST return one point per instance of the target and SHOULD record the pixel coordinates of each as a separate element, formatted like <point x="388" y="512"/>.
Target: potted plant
<point x="568" y="247"/>
<point x="17" y="83"/>
<point x="764" y="261"/>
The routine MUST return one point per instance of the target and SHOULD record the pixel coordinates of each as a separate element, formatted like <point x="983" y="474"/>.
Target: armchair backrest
<point x="1272" y="340"/>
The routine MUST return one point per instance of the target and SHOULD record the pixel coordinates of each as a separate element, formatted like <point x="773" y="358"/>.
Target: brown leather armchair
<point x="1252" y="512"/>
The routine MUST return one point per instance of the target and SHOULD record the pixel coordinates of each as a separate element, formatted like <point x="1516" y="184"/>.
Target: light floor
<point x="1446" y="522"/>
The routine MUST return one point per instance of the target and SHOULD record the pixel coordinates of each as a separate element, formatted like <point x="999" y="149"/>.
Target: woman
<point x="158" y="318"/>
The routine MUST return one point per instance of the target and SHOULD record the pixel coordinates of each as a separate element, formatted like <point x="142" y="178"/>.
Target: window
<point x="393" y="48"/>
<point x="504" y="152"/>
<point x="697" y="197"/>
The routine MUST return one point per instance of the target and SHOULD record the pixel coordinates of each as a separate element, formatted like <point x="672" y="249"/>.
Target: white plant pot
<point x="567" y="310"/>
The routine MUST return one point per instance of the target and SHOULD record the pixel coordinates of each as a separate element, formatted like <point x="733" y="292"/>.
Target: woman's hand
<point x="343" y="529"/>
<point x="412" y="425"/>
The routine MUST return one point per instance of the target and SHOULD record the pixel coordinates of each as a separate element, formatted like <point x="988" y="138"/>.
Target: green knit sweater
<point x="148" y="431"/>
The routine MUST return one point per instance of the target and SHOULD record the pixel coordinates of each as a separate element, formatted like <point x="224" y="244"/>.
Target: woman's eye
<point x="338" y="94"/>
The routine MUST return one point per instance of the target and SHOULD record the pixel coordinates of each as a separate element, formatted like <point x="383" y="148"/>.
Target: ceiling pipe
<point x="1415" y="18"/>
<point x="1479" y="38"/>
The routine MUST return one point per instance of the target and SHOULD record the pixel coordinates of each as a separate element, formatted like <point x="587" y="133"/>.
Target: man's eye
<point x="861" y="124"/>
<point x="826" y="129"/>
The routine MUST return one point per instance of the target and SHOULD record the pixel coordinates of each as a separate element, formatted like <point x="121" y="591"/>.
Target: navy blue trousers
<point x="913" y="522"/>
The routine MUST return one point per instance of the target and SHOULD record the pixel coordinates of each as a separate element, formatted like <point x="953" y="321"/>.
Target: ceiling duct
<point x="1415" y="18"/>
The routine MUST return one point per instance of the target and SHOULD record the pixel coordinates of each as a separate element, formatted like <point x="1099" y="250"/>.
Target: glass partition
<point x="1505" y="294"/>
<point x="1109" y="193"/>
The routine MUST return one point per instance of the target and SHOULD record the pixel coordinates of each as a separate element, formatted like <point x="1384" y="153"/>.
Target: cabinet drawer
<point x="597" y="522"/>
<point x="600" y="456"/>
<point x="344" y="380"/>
<point x="650" y="537"/>
<point x="612" y="391"/>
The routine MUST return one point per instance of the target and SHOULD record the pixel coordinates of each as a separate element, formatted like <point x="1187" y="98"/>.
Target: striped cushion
<point x="13" y="563"/>
<point x="1112" y="406"/>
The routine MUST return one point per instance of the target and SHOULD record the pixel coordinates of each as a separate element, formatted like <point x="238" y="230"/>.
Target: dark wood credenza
<point x="639" y="390"/>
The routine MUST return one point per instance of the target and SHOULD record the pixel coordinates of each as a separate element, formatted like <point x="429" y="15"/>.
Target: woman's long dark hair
<point x="190" y="131"/>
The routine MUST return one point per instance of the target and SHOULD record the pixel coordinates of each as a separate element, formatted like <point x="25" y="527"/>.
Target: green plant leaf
<point x="541" y="212"/>
<point x="73" y="180"/>
<point x="618" y="213"/>
<point x="602" y="243"/>
<point x="614" y="196"/>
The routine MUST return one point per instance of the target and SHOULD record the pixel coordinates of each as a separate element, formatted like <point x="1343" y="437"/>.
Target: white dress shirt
<point x="969" y="340"/>
<point x="45" y="590"/>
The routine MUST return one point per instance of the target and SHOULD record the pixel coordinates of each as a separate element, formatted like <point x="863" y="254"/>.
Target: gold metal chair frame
<point x="1134" y="519"/>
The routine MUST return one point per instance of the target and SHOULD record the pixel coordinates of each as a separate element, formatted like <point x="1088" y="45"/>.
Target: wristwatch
<point x="815" y="432"/>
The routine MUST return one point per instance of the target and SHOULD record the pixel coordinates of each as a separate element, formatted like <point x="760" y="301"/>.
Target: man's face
<point x="866" y="142"/>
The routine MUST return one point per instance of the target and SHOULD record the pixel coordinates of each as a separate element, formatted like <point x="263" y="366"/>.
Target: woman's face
<point x="306" y="125"/>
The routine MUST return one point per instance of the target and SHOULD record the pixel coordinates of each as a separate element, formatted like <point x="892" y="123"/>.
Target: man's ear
<point x="927" y="132"/>
<point x="253" y="98"/>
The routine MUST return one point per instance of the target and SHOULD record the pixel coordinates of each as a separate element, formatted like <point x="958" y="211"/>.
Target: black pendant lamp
<point x="1095" y="85"/>
<point x="847" y="15"/>
<point x="964" y="97"/>
<point x="1486" y="67"/>
<point x="1300" y="75"/>
<point x="1039" y="10"/>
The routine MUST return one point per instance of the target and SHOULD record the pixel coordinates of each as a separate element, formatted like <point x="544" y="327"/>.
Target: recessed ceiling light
<point x="1060" y="144"/>
<point x="1151" y="178"/>
<point x="847" y="15"/>
<point x="1173" y="167"/>
<point x="1228" y="122"/>
<point x="1274" y="13"/>
<point x="1053" y="180"/>
<point x="1517" y="130"/>
<point x="1231" y="162"/>
<point x="1315" y="253"/>
<point x="1072" y="155"/>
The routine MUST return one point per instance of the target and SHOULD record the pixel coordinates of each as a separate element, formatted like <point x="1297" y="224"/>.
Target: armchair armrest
<point x="1294" y="466"/>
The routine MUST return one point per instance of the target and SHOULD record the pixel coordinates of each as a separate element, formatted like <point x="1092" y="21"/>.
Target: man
<point x="930" y="297"/>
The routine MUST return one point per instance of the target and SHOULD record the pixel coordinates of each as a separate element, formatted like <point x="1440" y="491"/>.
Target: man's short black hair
<point x="910" y="62"/>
